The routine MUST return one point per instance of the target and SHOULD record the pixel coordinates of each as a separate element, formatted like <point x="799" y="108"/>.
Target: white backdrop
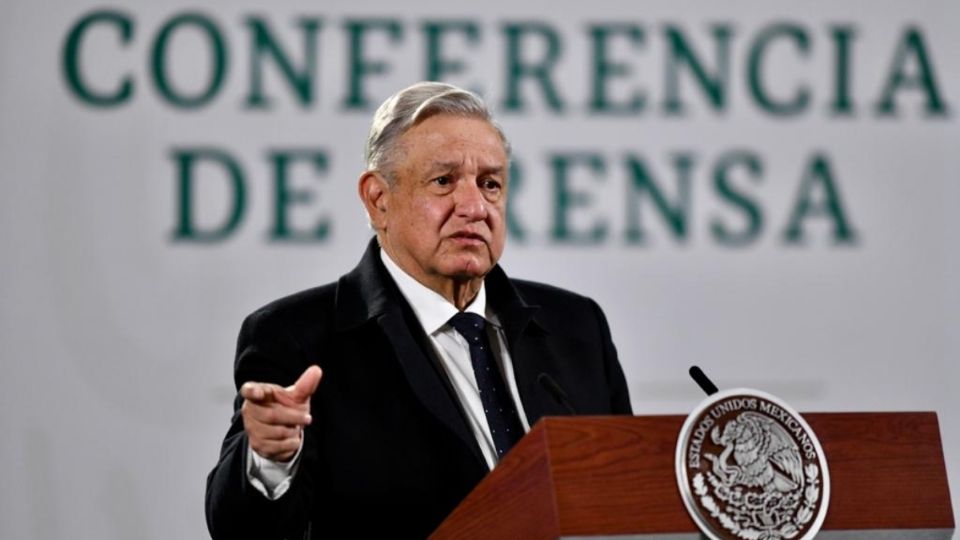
<point x="118" y="337"/>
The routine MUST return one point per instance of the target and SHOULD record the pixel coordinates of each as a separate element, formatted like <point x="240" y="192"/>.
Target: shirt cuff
<point x="272" y="478"/>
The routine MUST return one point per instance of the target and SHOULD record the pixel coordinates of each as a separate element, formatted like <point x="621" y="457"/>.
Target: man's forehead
<point x="446" y="128"/>
<point x="449" y="142"/>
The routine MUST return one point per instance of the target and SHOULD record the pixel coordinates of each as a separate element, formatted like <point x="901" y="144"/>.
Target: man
<point x="433" y="362"/>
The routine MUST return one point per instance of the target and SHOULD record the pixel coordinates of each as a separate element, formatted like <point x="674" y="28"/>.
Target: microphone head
<point x="703" y="381"/>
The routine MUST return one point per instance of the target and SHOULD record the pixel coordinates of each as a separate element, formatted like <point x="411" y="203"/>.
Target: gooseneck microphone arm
<point x="702" y="380"/>
<point x="557" y="393"/>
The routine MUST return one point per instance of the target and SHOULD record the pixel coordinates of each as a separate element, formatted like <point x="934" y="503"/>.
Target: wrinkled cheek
<point x="496" y="245"/>
<point x="498" y="228"/>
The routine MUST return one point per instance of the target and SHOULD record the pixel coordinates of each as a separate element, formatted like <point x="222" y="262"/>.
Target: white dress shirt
<point x="433" y="312"/>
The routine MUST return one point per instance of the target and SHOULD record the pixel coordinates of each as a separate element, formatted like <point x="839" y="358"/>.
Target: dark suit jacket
<point x="389" y="453"/>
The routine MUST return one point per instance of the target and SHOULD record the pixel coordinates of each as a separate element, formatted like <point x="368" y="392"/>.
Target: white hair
<point x="412" y="105"/>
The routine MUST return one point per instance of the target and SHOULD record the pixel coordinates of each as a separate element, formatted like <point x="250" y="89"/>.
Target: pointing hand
<point x="274" y="416"/>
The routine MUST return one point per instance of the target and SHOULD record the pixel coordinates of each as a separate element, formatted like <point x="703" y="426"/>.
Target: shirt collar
<point x="432" y="310"/>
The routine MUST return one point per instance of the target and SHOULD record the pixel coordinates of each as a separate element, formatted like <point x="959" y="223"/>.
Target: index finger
<point x="257" y="392"/>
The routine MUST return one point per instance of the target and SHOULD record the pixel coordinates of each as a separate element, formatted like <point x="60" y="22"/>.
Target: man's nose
<point x="469" y="199"/>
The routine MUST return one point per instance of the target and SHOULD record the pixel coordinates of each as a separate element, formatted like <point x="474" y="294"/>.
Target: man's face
<point x="443" y="218"/>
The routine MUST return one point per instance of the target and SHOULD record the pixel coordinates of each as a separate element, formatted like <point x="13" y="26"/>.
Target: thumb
<point x="306" y="385"/>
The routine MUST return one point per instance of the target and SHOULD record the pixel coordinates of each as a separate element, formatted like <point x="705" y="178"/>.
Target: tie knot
<point x="469" y="325"/>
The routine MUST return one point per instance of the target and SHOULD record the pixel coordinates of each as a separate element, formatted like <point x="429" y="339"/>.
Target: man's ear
<point x="375" y="194"/>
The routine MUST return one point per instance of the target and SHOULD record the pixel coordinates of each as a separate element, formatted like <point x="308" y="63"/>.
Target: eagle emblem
<point x="764" y="455"/>
<point x="750" y="468"/>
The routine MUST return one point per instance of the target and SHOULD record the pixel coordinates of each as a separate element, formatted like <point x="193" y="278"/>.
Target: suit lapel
<point x="368" y="293"/>
<point x="529" y="344"/>
<point x="426" y="380"/>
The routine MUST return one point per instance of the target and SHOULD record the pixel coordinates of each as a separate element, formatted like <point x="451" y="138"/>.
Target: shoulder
<point x="561" y="311"/>
<point x="298" y="303"/>
<point x="295" y="314"/>
<point x="511" y="293"/>
<point x="550" y="296"/>
<point x="276" y="340"/>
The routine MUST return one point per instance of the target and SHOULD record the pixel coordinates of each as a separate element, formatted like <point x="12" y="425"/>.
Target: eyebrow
<point x="451" y="165"/>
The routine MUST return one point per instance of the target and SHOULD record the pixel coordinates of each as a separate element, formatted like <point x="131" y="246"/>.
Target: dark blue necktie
<point x="501" y="413"/>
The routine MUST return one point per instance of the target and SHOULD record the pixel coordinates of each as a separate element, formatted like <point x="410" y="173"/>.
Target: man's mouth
<point x="468" y="238"/>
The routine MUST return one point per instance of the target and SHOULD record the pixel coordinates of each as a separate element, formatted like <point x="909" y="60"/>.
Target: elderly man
<point x="434" y="363"/>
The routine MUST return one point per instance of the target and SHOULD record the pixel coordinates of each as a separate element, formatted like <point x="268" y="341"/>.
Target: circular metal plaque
<point x="749" y="467"/>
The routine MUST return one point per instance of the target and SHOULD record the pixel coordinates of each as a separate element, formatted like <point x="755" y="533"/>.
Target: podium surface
<point x="614" y="477"/>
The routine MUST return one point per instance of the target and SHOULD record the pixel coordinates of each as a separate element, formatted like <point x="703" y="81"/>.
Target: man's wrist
<point x="272" y="478"/>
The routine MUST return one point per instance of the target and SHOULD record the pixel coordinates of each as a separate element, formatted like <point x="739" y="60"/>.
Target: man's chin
<point x="470" y="268"/>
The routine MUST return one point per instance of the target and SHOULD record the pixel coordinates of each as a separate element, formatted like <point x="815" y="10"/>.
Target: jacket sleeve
<point x="235" y="509"/>
<point x="616" y="382"/>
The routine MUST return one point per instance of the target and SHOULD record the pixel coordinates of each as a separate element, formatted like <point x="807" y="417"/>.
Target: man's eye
<point x="490" y="184"/>
<point x="442" y="180"/>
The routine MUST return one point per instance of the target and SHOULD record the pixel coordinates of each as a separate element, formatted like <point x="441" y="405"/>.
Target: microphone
<point x="702" y="380"/>
<point x="557" y="393"/>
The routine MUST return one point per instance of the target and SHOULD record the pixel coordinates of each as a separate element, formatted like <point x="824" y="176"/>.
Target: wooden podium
<point x="609" y="476"/>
